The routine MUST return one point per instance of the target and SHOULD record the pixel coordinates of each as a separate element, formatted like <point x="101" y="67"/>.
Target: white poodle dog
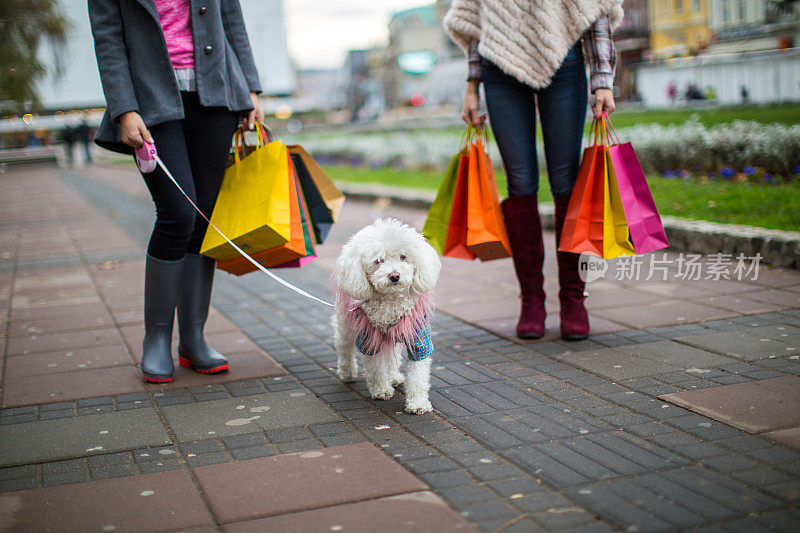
<point x="384" y="279"/>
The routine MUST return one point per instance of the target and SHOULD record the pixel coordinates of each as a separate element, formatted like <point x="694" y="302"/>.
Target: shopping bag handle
<point x="599" y="130"/>
<point x="264" y="136"/>
<point x="603" y="130"/>
<point x="612" y="133"/>
<point x="472" y="132"/>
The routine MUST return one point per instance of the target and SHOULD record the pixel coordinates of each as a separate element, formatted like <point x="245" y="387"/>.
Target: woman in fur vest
<point x="534" y="54"/>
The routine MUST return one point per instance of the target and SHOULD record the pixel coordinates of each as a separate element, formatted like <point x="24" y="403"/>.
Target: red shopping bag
<point x="583" y="223"/>
<point x="486" y="231"/>
<point x="455" y="244"/>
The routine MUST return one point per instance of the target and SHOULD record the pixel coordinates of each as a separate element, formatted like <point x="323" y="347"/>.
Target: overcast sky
<point x="320" y="32"/>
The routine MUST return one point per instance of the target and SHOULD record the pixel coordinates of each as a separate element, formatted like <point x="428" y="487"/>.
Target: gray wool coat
<point x="136" y="71"/>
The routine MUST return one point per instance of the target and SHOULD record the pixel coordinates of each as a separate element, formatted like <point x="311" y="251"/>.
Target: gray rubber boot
<point x="195" y="298"/>
<point x="162" y="280"/>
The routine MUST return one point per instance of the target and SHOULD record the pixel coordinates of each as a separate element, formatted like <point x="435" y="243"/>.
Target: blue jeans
<point x="562" y="110"/>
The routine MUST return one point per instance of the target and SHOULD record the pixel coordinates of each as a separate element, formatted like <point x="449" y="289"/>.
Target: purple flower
<point x="669" y="174"/>
<point x="768" y="178"/>
<point x="749" y="170"/>
<point x="727" y="172"/>
<point x="797" y="169"/>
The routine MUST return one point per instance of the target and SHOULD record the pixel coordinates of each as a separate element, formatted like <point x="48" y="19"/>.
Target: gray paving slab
<point x="607" y="455"/>
<point x="740" y="344"/>
<point x="780" y="332"/>
<point x="65" y="438"/>
<point x="236" y="416"/>
<point x="675" y="499"/>
<point x="643" y="360"/>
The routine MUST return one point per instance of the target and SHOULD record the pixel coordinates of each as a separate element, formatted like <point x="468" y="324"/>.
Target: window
<point x="678" y="5"/>
<point x="742" y="11"/>
<point x="726" y="15"/>
<point x="696" y="5"/>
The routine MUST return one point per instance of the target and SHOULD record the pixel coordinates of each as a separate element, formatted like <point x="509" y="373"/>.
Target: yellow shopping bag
<point x="616" y="235"/>
<point x="253" y="207"/>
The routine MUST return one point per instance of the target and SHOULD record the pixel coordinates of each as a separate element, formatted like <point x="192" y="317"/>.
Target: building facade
<point x="751" y="25"/>
<point x="632" y="42"/>
<point x="417" y="44"/>
<point x="769" y="76"/>
<point x="678" y="28"/>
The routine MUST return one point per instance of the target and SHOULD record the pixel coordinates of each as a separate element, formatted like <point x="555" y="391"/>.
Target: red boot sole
<point x="157" y="380"/>
<point x="183" y="361"/>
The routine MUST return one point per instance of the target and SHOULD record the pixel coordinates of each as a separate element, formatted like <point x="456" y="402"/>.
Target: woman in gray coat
<point x="179" y="73"/>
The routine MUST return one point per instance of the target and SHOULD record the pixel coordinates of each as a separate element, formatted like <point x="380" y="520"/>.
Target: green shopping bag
<point x="435" y="229"/>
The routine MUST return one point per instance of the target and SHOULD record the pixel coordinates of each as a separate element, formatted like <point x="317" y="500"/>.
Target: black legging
<point x="195" y="151"/>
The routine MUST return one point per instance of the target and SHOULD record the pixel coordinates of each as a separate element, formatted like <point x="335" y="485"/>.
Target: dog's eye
<point x="379" y="261"/>
<point x="402" y="257"/>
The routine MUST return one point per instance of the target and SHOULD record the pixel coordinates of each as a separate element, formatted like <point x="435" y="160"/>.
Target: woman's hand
<point x="603" y="101"/>
<point x="469" y="113"/>
<point x="256" y="115"/>
<point x="134" y="132"/>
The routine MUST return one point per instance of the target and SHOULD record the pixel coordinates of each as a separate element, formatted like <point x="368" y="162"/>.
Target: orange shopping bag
<point x="291" y="250"/>
<point x="486" y="231"/>
<point x="583" y="224"/>
<point x="455" y="245"/>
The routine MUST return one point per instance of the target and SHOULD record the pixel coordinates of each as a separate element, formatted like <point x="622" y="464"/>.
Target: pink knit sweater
<point x="176" y="22"/>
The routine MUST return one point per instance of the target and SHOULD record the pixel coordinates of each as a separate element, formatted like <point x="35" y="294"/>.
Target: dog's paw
<point x="347" y="375"/>
<point x="382" y="394"/>
<point x="418" y="407"/>
<point x="398" y="380"/>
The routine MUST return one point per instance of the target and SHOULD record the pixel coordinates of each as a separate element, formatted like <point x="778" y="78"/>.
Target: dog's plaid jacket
<point x="421" y="347"/>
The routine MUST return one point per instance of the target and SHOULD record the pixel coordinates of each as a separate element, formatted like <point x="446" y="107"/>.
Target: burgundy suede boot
<point x="574" y="319"/>
<point x="521" y="214"/>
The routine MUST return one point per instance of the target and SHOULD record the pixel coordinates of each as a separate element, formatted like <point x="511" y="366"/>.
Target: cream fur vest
<point x="527" y="39"/>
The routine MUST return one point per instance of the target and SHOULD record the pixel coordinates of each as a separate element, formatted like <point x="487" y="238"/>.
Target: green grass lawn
<point x="784" y="114"/>
<point x="767" y="206"/>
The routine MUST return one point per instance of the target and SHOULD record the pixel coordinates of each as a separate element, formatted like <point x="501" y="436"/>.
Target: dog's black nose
<point x="394" y="277"/>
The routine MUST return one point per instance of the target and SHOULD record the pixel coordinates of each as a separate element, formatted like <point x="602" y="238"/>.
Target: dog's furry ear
<point x="350" y="275"/>
<point x="427" y="267"/>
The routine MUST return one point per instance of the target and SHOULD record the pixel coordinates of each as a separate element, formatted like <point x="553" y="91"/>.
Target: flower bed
<point x="738" y="151"/>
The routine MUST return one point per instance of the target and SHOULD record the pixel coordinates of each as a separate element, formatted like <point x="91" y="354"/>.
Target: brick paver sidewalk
<point x="665" y="419"/>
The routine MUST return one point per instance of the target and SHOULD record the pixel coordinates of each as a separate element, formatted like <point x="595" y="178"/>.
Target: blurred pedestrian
<point x="693" y="92"/>
<point x="68" y="136"/>
<point x="180" y="74"/>
<point x="83" y="132"/>
<point x="529" y="55"/>
<point x="672" y="94"/>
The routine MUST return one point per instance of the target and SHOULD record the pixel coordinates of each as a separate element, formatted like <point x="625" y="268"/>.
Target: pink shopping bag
<point x="644" y="223"/>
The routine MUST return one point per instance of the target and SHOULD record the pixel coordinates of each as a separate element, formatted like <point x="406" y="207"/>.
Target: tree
<point x="24" y="26"/>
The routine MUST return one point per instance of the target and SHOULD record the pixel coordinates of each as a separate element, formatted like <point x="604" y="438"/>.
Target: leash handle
<point x="283" y="282"/>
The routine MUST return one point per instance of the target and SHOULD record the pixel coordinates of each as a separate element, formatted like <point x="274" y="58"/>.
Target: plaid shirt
<point x="598" y="47"/>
